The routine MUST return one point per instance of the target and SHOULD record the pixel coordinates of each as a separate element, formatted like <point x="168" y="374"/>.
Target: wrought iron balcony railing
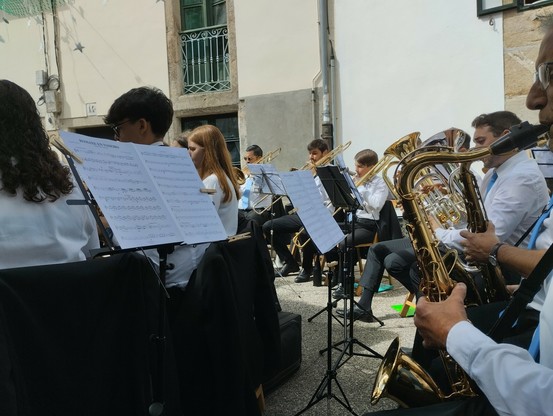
<point x="205" y="60"/>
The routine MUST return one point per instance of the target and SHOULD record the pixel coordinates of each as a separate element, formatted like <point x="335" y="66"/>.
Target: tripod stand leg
<point x="324" y="390"/>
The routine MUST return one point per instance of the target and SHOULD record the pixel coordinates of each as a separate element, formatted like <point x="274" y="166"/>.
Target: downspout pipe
<point x="326" y="128"/>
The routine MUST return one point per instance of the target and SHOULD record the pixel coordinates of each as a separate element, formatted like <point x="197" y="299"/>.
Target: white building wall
<point x="125" y="46"/>
<point x="405" y="66"/>
<point x="277" y="45"/>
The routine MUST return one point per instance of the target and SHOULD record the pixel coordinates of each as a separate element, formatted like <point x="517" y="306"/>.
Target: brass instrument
<point x="405" y="380"/>
<point x="239" y="174"/>
<point x="266" y="158"/>
<point x="326" y="159"/>
<point x="392" y="155"/>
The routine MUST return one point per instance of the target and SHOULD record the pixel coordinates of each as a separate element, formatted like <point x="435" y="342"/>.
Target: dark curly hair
<point x="27" y="163"/>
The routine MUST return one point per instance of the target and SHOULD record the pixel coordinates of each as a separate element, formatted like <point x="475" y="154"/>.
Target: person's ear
<point x="143" y="125"/>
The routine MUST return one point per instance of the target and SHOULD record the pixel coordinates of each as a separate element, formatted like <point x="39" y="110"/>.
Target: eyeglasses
<point x="248" y="158"/>
<point x="543" y="74"/>
<point x="115" y="127"/>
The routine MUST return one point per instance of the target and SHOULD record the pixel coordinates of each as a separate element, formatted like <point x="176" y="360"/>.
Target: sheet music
<point x="272" y="183"/>
<point x="178" y="181"/>
<point x="144" y="203"/>
<point x="339" y="160"/>
<point x="317" y="220"/>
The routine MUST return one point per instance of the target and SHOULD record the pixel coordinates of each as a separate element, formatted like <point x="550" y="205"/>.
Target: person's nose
<point x="536" y="98"/>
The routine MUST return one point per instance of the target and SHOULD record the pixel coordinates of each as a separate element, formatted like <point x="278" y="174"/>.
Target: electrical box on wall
<point x="41" y="78"/>
<point x="52" y="100"/>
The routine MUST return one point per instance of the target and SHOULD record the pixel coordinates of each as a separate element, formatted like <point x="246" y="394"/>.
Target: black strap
<point x="526" y="292"/>
<point x="521" y="239"/>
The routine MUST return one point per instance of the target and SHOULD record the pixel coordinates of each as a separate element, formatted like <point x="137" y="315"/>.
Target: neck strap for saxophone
<point x="526" y="292"/>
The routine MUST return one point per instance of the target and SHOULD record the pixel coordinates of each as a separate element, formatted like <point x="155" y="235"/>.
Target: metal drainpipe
<point x="326" y="128"/>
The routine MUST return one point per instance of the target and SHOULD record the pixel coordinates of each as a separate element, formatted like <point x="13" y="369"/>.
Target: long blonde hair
<point x="216" y="158"/>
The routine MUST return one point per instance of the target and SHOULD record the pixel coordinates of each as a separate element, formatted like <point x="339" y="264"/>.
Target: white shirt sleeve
<point x="374" y="194"/>
<point x="511" y="380"/>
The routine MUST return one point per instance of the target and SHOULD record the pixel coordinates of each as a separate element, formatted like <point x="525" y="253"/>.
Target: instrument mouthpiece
<point x="522" y="136"/>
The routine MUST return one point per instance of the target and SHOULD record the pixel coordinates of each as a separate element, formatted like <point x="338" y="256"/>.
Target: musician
<point x="38" y="226"/>
<point x="277" y="231"/>
<point x="251" y="200"/>
<point x="209" y="152"/>
<point x="513" y="381"/>
<point x="143" y="115"/>
<point x="181" y="140"/>
<point x="396" y="256"/>
<point x="374" y="193"/>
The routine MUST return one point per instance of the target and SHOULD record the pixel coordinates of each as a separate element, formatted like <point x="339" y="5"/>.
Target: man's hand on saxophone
<point x="477" y="246"/>
<point x="435" y="319"/>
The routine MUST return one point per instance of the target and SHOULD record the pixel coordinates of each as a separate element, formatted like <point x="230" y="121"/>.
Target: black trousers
<point x="396" y="256"/>
<point x="278" y="232"/>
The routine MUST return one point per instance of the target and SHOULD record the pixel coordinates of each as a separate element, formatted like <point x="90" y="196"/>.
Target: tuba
<point x="399" y="377"/>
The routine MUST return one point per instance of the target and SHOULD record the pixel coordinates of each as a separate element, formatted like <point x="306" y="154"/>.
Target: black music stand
<point x="271" y="184"/>
<point x="157" y="407"/>
<point x="341" y="196"/>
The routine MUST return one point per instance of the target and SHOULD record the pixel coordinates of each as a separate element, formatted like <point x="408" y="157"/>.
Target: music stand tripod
<point x="341" y="196"/>
<point x="274" y="189"/>
<point x="157" y="407"/>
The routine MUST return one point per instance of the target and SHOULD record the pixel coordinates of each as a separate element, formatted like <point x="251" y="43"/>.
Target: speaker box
<point x="290" y="339"/>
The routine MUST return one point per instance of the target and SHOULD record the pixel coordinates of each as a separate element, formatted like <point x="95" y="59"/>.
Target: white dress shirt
<point x="513" y="203"/>
<point x="374" y="193"/>
<point x="45" y="233"/>
<point x="228" y="211"/>
<point x="511" y="380"/>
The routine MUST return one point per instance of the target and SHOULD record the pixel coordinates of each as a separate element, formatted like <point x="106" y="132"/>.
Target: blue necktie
<point x="245" y="200"/>
<point x="534" y="348"/>
<point x="537" y="227"/>
<point x="491" y="182"/>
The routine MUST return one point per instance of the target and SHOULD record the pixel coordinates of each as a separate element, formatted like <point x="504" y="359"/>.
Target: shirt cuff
<point x="463" y="342"/>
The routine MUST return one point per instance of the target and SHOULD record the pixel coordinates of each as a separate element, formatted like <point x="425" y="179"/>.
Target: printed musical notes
<point x="317" y="220"/>
<point x="150" y="195"/>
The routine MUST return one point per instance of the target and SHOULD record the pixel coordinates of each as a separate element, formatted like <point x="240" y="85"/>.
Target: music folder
<point x="341" y="191"/>
<point x="150" y="195"/>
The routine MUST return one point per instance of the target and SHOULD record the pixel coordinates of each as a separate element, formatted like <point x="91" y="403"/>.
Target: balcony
<point x="205" y="60"/>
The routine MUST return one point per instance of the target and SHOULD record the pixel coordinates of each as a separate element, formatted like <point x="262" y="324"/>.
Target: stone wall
<point x="522" y="35"/>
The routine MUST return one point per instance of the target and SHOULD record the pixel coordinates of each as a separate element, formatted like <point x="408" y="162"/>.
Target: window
<point x="204" y="46"/>
<point x="493" y="6"/>
<point x="198" y="14"/>
<point x="485" y="7"/>
<point x="227" y="123"/>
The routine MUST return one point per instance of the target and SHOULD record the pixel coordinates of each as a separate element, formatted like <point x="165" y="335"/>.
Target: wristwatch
<point x="492" y="258"/>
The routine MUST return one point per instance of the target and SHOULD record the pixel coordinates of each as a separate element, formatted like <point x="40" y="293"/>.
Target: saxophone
<point x="399" y="376"/>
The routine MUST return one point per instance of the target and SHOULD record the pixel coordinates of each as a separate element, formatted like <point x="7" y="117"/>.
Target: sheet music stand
<point x="341" y="196"/>
<point x="157" y="407"/>
<point x="271" y="184"/>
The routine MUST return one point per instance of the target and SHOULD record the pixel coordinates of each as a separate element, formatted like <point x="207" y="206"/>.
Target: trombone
<point x="266" y="158"/>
